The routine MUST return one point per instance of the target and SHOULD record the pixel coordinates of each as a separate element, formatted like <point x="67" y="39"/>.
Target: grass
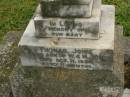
<point x="15" y="14"/>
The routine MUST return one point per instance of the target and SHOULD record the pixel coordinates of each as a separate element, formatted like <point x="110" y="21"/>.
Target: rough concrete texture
<point x="55" y="9"/>
<point x="94" y="48"/>
<point x="69" y="27"/>
<point x="58" y="82"/>
<point x="8" y="58"/>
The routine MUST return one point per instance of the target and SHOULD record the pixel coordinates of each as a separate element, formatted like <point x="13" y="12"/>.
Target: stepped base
<point x="72" y="53"/>
<point x="57" y="82"/>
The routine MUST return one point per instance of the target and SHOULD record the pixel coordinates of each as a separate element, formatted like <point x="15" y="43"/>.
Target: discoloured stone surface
<point x="69" y="8"/>
<point x="118" y="66"/>
<point x="56" y="9"/>
<point x="29" y="44"/>
<point x="69" y="2"/>
<point x="67" y="58"/>
<point x="69" y="27"/>
<point x="57" y="82"/>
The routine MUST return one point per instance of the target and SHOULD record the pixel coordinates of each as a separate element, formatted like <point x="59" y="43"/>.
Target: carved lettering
<point x="70" y="58"/>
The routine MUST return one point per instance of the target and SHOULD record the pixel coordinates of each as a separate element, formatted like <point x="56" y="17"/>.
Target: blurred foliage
<point x="15" y="14"/>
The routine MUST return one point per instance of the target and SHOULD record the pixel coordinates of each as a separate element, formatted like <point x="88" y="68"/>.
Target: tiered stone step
<point x="72" y="53"/>
<point x="70" y="27"/>
<point x="59" y="82"/>
<point x="67" y="8"/>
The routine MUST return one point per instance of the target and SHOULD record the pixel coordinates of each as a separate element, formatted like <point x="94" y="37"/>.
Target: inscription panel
<point x="77" y="28"/>
<point x="68" y="58"/>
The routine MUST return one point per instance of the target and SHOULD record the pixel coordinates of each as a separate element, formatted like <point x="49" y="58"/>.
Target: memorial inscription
<point x="72" y="58"/>
<point x="77" y="28"/>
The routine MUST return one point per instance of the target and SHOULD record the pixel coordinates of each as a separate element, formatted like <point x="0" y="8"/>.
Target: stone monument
<point x="68" y="50"/>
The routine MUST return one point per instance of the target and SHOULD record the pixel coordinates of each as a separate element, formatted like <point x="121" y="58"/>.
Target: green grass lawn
<point x="15" y="14"/>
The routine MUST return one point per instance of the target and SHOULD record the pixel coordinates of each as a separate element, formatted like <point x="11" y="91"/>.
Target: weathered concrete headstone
<point x="66" y="8"/>
<point x="72" y="56"/>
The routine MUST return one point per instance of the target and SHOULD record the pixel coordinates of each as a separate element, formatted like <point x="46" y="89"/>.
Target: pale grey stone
<point x="67" y="58"/>
<point x="101" y="50"/>
<point x="71" y="27"/>
<point x="68" y="28"/>
<point x="126" y="93"/>
<point x="55" y="9"/>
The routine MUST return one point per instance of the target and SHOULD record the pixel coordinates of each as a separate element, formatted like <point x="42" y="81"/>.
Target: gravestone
<point x="68" y="50"/>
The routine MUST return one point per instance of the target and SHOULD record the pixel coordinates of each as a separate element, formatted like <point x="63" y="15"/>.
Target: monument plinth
<point x="68" y="50"/>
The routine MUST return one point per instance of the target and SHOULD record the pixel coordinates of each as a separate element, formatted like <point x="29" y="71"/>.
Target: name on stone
<point x="67" y="28"/>
<point x="68" y="58"/>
